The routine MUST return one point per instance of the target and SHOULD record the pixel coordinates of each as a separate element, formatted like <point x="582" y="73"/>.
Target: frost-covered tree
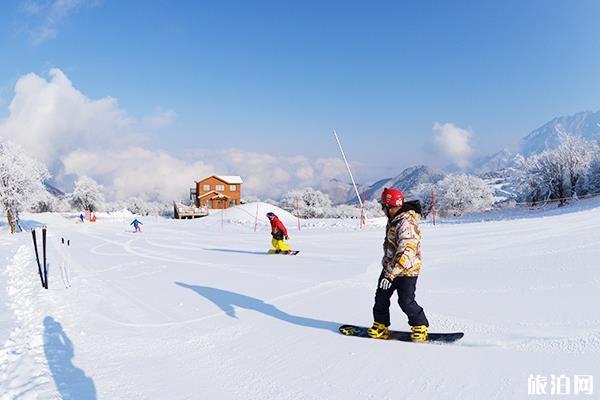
<point x="87" y="194"/>
<point x="373" y="209"/>
<point x="540" y="177"/>
<point x="44" y="202"/>
<point x="592" y="176"/>
<point x="575" y="155"/>
<point x="21" y="181"/>
<point x="310" y="202"/>
<point x="142" y="207"/>
<point x="139" y="206"/>
<point x="342" y="211"/>
<point x="424" y="193"/>
<point x="459" y="194"/>
<point x="556" y="173"/>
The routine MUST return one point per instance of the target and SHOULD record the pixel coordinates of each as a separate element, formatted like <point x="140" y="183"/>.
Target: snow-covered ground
<point x="196" y="309"/>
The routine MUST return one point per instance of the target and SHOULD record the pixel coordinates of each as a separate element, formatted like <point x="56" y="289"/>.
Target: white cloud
<point x="269" y="176"/>
<point x="31" y="7"/>
<point x="76" y="135"/>
<point x="161" y="119"/>
<point x="50" y="118"/>
<point x="126" y="172"/>
<point x="453" y="143"/>
<point x="49" y="15"/>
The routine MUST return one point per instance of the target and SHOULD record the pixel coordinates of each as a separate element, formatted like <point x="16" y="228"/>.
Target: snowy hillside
<point x="497" y="161"/>
<point x="193" y="309"/>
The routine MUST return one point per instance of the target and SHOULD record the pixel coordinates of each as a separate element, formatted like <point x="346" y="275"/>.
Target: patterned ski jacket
<point x="402" y="245"/>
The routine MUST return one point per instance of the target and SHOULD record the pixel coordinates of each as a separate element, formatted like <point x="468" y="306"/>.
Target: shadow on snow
<point x="261" y="253"/>
<point x="72" y="383"/>
<point x="227" y="301"/>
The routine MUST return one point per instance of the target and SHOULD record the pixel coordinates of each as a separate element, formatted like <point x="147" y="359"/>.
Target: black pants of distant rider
<point x="405" y="286"/>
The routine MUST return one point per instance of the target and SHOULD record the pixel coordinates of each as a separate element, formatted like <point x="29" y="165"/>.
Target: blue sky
<point x="278" y="76"/>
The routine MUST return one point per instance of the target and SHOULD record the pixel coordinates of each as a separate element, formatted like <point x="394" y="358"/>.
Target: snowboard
<point x="361" y="331"/>
<point x="285" y="253"/>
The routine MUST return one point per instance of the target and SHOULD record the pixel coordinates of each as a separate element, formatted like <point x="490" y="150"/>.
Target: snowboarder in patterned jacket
<point x="279" y="232"/>
<point x="401" y="265"/>
<point x="136" y="225"/>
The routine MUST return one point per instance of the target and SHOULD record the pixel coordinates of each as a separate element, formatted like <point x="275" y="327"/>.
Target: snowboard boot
<point x="419" y="333"/>
<point x="379" y="331"/>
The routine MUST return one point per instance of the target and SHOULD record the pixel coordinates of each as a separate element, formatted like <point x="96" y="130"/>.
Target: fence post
<point x="256" y="219"/>
<point x="297" y="212"/>
<point x="433" y="206"/>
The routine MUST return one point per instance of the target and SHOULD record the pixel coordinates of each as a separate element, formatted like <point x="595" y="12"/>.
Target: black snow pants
<point x="405" y="286"/>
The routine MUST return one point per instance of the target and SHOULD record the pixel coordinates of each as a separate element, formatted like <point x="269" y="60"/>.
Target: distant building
<point x="218" y="191"/>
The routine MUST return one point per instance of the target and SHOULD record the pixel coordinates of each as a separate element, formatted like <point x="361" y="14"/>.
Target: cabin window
<point x="221" y="187"/>
<point x="206" y="188"/>
<point x="232" y="188"/>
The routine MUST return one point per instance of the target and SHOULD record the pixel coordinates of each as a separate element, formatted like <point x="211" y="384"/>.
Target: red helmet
<point x="392" y="197"/>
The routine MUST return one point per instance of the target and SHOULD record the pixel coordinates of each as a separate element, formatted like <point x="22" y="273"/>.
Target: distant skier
<point x="401" y="265"/>
<point x="81" y="217"/>
<point x="279" y="232"/>
<point x="136" y="225"/>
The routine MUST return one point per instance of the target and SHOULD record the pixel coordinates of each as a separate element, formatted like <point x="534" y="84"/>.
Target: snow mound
<point x="124" y="213"/>
<point x="246" y="214"/>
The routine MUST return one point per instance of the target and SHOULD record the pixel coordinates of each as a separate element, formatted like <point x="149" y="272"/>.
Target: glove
<point x="385" y="283"/>
<point x="287" y="237"/>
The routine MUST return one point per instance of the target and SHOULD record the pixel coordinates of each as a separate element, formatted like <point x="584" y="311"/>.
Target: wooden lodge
<point x="218" y="192"/>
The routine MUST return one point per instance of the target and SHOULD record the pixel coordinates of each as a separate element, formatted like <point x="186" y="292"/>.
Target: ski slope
<point x="197" y="310"/>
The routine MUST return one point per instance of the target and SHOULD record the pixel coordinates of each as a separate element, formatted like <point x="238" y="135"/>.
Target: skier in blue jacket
<point x="136" y="225"/>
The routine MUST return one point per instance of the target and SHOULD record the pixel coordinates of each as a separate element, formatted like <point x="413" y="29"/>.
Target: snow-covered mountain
<point x="494" y="169"/>
<point x="497" y="161"/>
<point x="408" y="179"/>
<point x="586" y="124"/>
<point x="341" y="192"/>
<point x="53" y="190"/>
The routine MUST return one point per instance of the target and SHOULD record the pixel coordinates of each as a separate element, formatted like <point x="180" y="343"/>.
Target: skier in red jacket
<point x="279" y="232"/>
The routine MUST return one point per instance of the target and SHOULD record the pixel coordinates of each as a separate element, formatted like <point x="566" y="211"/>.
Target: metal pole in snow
<point x="256" y="220"/>
<point x="298" y="213"/>
<point x="433" y="207"/>
<point x="362" y="212"/>
<point x="348" y="167"/>
<point x="37" y="257"/>
<point x="44" y="254"/>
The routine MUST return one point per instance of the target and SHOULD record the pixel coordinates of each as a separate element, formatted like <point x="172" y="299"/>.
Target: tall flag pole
<point x="348" y="168"/>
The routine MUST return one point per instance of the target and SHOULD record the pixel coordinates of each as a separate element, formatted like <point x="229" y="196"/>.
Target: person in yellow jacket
<point x="401" y="265"/>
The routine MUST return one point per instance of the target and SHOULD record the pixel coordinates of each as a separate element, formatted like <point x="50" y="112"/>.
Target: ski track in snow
<point x="248" y="326"/>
